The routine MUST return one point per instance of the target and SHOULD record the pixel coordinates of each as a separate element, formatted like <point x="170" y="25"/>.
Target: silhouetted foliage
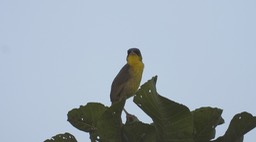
<point x="172" y="122"/>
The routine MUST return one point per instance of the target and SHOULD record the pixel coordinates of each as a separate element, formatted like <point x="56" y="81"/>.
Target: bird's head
<point x="133" y="55"/>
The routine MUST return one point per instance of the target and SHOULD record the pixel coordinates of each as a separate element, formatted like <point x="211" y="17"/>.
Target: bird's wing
<point x="119" y="83"/>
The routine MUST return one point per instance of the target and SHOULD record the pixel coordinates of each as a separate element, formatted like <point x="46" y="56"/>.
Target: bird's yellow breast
<point x="136" y="65"/>
<point x="136" y="70"/>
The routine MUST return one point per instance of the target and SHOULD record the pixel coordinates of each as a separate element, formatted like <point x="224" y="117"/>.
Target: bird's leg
<point x="129" y="117"/>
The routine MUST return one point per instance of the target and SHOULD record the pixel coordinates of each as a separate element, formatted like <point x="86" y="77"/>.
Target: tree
<point x="172" y="122"/>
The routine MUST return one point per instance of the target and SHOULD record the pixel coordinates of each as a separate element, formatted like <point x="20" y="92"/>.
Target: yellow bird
<point x="127" y="81"/>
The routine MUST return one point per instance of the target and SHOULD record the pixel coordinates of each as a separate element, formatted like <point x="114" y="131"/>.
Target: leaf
<point x="67" y="137"/>
<point x="238" y="127"/>
<point x="85" y="118"/>
<point x="173" y="121"/>
<point x="110" y="123"/>
<point x="205" y="121"/>
<point x="139" y="132"/>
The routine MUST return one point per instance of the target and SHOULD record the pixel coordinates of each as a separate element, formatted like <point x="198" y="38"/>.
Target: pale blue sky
<point x="58" y="55"/>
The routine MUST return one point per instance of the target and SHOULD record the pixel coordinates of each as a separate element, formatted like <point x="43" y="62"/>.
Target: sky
<point x="58" y="55"/>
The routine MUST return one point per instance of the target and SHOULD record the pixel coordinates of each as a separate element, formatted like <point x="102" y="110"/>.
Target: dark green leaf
<point x="85" y="118"/>
<point x="139" y="132"/>
<point x="67" y="137"/>
<point x="173" y="121"/>
<point x="205" y="121"/>
<point x="110" y="123"/>
<point x="238" y="127"/>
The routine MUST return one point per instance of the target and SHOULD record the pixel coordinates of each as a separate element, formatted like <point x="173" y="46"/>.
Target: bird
<point x="127" y="81"/>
